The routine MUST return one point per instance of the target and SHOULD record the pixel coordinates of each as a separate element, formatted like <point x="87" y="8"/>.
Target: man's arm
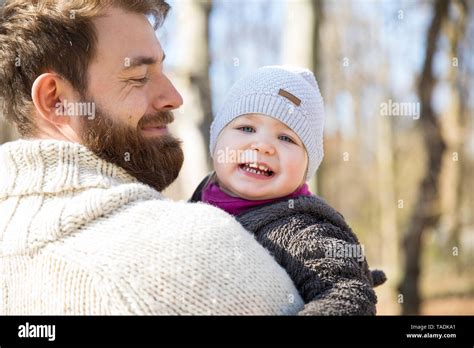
<point x="192" y="259"/>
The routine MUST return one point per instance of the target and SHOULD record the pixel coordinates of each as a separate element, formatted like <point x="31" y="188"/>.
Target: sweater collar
<point x="213" y="195"/>
<point x="53" y="166"/>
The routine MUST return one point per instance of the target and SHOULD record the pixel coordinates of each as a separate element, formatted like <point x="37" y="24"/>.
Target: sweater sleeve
<point x="327" y="266"/>
<point x="190" y="259"/>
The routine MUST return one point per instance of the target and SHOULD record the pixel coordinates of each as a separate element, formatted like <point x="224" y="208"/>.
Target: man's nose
<point x="168" y="97"/>
<point x="264" y="147"/>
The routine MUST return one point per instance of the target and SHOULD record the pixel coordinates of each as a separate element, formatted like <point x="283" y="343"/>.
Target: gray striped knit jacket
<point x="321" y="254"/>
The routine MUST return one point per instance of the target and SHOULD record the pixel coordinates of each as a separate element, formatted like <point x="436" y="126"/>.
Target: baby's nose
<point x="263" y="147"/>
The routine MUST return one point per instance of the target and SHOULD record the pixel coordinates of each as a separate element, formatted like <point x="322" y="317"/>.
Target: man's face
<point x="133" y="101"/>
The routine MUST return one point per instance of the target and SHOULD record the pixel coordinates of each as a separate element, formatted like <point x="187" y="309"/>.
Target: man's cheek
<point x="130" y="119"/>
<point x="129" y="113"/>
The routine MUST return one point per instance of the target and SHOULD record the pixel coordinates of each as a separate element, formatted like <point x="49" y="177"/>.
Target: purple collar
<point x="213" y="195"/>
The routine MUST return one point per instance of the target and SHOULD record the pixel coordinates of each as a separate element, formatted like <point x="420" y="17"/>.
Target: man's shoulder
<point x="150" y="229"/>
<point x="162" y="219"/>
<point x="176" y="210"/>
<point x="159" y="247"/>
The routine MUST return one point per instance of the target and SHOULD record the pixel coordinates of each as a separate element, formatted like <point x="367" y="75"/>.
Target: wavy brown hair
<point x="52" y="35"/>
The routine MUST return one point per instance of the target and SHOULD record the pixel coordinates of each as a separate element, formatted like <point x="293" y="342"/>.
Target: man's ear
<point x="50" y="93"/>
<point x="47" y="94"/>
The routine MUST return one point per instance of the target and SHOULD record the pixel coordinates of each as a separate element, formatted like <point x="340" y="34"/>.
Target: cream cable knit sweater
<point x="78" y="235"/>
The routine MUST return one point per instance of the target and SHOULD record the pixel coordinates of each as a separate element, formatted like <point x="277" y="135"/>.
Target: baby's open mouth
<point x="256" y="169"/>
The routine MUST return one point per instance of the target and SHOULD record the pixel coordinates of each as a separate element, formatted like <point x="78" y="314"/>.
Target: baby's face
<point x="259" y="157"/>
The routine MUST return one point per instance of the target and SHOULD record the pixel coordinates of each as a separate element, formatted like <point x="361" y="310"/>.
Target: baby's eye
<point x="246" y="129"/>
<point x="286" y="138"/>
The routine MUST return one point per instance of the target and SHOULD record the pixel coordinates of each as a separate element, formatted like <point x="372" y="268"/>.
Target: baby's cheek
<point x="224" y="167"/>
<point x="295" y="172"/>
<point x="219" y="167"/>
<point x="299" y="164"/>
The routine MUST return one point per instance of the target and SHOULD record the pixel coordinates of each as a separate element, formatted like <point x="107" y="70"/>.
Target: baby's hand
<point x="378" y="277"/>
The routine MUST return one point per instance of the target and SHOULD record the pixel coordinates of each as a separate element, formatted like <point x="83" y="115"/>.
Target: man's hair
<point x="37" y="36"/>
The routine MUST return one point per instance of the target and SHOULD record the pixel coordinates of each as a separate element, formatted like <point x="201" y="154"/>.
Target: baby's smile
<point x="257" y="168"/>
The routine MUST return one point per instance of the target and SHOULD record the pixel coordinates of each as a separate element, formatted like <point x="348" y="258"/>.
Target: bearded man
<point x="83" y="226"/>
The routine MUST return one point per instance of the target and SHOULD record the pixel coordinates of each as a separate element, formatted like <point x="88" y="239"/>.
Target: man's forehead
<point x="133" y="43"/>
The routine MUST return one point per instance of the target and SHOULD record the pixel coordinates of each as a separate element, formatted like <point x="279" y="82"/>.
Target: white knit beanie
<point x="288" y="94"/>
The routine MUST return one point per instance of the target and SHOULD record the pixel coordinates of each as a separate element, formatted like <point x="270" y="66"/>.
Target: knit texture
<point x="322" y="255"/>
<point x="263" y="92"/>
<point x="79" y="235"/>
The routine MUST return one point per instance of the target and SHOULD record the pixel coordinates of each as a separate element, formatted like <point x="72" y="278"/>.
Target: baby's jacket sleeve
<point x="327" y="265"/>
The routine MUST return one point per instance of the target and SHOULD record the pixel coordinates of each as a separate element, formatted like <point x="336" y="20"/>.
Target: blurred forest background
<point x="397" y="78"/>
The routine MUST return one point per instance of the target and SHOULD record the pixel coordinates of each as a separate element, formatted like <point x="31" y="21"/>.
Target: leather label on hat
<point x="290" y="97"/>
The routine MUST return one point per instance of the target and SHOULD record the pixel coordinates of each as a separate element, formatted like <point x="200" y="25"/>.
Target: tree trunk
<point x="301" y="46"/>
<point x="453" y="132"/>
<point x="426" y="210"/>
<point x="386" y="195"/>
<point x="191" y="78"/>
<point x="318" y="15"/>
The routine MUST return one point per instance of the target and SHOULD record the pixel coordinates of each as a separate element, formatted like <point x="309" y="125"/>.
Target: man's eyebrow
<point x="142" y="60"/>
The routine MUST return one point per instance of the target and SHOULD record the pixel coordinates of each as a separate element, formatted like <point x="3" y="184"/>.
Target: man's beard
<point x="155" y="161"/>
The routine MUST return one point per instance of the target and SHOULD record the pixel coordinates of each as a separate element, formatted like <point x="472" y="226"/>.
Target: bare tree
<point x="426" y="213"/>
<point x="191" y="77"/>
<point x="301" y="46"/>
<point x="454" y="133"/>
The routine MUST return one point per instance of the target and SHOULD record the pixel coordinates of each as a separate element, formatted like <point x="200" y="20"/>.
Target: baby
<point x="266" y="142"/>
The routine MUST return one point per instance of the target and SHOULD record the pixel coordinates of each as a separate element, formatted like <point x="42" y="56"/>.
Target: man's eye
<point x="286" y="138"/>
<point x="140" y="81"/>
<point x="246" y="129"/>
